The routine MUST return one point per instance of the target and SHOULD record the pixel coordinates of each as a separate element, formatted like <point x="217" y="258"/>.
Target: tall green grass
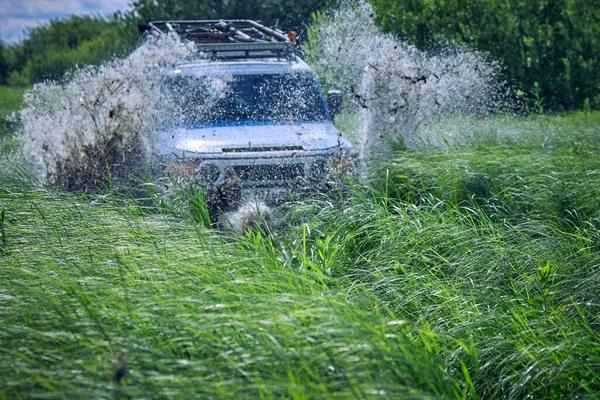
<point x="542" y="168"/>
<point x="85" y="283"/>
<point x="514" y="305"/>
<point x="492" y="244"/>
<point x="423" y="283"/>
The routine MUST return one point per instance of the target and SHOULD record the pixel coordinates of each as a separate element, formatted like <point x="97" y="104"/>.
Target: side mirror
<point x="335" y="100"/>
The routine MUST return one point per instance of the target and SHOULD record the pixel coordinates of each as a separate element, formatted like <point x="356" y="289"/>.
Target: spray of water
<point x="399" y="89"/>
<point x="249" y="216"/>
<point x="98" y="121"/>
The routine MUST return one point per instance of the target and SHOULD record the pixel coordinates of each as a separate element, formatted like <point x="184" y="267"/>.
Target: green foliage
<point x="543" y="167"/>
<point x="86" y="286"/>
<point x="492" y="244"/>
<point x="553" y="43"/>
<point x="49" y="51"/>
<point x="10" y="100"/>
<point x="3" y="64"/>
<point x="503" y="304"/>
<point x="17" y="80"/>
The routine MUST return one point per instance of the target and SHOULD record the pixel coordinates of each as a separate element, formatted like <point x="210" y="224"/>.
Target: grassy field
<point x="469" y="270"/>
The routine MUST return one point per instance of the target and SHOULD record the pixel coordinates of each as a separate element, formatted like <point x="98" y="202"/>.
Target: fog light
<point x="343" y="162"/>
<point x="181" y="169"/>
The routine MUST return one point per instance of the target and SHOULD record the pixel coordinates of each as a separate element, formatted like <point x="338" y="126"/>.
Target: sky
<point x="16" y="15"/>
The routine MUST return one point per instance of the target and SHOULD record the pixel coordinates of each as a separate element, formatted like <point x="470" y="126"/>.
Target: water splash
<point x="249" y="216"/>
<point x="99" y="123"/>
<point x="397" y="88"/>
<point x="79" y="132"/>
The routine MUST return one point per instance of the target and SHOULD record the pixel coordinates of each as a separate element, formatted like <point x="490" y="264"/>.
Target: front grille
<point x="260" y="149"/>
<point x="278" y="172"/>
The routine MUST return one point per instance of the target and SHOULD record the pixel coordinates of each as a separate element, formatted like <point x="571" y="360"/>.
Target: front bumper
<point x="230" y="180"/>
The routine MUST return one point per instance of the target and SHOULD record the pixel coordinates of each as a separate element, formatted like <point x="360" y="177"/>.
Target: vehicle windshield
<point x="280" y="98"/>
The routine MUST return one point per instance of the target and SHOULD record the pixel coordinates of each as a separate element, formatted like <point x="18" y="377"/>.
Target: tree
<point x="3" y="64"/>
<point x="50" y="50"/>
<point x="551" y="47"/>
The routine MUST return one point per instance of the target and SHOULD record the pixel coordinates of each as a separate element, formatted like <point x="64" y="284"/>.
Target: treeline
<point x="48" y="51"/>
<point x="550" y="48"/>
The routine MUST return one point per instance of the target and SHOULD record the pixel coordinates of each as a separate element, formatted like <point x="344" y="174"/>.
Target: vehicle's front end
<point x="262" y="163"/>
<point x="253" y="127"/>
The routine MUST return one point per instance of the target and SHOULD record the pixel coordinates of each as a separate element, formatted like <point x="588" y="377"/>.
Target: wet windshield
<point x="283" y="98"/>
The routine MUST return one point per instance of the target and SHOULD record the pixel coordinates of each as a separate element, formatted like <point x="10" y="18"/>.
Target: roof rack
<point x="230" y="38"/>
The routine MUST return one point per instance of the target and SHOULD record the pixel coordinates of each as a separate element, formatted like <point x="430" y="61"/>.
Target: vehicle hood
<point x="215" y="139"/>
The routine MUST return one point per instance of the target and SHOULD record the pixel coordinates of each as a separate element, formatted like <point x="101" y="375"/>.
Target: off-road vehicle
<point x="267" y="136"/>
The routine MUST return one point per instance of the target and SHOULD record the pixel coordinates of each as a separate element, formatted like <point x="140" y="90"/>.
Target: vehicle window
<point x="284" y="98"/>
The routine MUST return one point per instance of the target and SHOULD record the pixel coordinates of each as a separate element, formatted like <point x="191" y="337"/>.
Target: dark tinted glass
<point x="284" y="98"/>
